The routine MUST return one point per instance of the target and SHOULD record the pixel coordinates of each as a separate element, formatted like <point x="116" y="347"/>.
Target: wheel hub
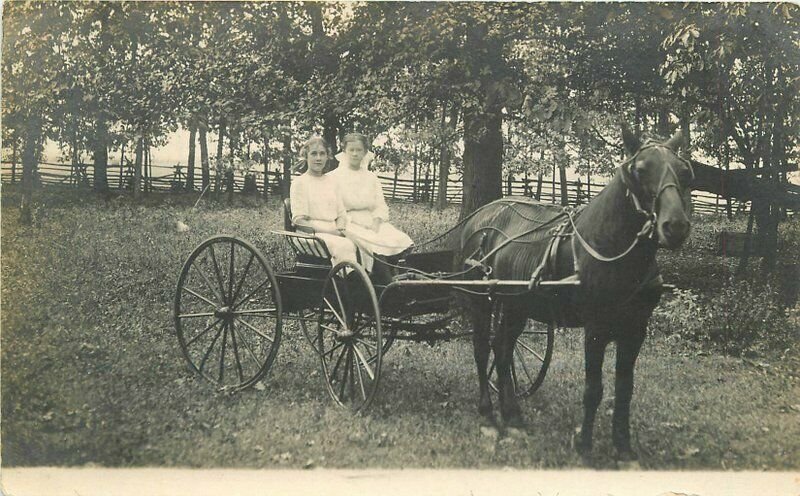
<point x="223" y="312"/>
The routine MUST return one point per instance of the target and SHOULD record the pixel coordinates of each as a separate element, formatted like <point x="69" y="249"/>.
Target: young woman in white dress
<point x="362" y="194"/>
<point x="316" y="204"/>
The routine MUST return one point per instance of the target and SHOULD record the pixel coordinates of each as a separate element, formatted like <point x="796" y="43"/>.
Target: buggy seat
<point x="310" y="250"/>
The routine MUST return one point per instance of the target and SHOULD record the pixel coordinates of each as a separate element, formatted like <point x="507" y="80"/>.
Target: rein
<point x="648" y="230"/>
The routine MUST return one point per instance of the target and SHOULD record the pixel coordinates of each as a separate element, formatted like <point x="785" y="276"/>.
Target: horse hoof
<point x="514" y="421"/>
<point x="583" y="447"/>
<point x="488" y="419"/>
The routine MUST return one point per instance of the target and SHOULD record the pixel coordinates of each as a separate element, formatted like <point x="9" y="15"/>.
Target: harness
<point x="663" y="184"/>
<point x="568" y="228"/>
<point x="669" y="179"/>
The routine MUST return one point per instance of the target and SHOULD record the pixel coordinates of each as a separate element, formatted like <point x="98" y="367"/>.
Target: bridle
<point x="669" y="179"/>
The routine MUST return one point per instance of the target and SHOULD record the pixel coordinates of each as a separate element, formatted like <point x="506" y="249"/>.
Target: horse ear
<point x="676" y="142"/>
<point x="630" y="140"/>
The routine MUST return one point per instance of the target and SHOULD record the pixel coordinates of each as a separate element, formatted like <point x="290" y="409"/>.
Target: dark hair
<point x="350" y="137"/>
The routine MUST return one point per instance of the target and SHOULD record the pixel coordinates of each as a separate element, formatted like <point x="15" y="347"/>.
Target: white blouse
<point x="362" y="195"/>
<point x="316" y="197"/>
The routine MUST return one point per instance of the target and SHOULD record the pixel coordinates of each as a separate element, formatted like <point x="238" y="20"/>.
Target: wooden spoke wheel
<point x="532" y="354"/>
<point x="228" y="312"/>
<point x="304" y="318"/>
<point x="349" y="339"/>
<point x="390" y="333"/>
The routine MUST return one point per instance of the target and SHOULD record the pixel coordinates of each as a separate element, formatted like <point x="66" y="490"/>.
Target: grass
<point x="92" y="372"/>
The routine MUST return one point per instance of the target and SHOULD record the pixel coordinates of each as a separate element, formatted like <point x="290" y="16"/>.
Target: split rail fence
<point x="174" y="178"/>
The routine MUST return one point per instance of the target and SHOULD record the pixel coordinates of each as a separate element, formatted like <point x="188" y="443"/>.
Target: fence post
<point x="588" y="186"/>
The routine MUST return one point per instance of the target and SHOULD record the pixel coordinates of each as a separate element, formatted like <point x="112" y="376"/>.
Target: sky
<point x="176" y="151"/>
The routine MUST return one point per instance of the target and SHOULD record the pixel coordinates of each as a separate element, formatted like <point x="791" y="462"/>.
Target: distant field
<point x="92" y="372"/>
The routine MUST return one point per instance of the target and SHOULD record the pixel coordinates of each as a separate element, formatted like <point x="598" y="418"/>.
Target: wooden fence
<point x="172" y="178"/>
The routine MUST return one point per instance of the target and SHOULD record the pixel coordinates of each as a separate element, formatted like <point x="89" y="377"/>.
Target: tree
<point x="740" y="63"/>
<point x="32" y="37"/>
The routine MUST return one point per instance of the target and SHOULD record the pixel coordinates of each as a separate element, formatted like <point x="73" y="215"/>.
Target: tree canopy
<point x="477" y="86"/>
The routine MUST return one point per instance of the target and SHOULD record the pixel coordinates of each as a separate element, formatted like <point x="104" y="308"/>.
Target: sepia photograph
<point x="350" y="247"/>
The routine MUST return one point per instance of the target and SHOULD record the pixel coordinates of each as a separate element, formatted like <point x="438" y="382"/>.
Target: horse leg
<point x="508" y="331"/>
<point x="594" y="353"/>
<point x="481" y="316"/>
<point x="627" y="353"/>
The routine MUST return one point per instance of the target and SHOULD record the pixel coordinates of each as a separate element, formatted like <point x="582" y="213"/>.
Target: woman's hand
<point x="376" y="224"/>
<point x="341" y="225"/>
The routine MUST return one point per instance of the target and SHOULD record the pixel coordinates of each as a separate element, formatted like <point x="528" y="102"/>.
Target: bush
<point x="747" y="317"/>
<point x="741" y="318"/>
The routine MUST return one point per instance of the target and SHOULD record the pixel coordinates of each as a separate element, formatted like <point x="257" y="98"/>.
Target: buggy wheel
<point x="228" y="312"/>
<point x="349" y="336"/>
<point x="304" y="318"/>
<point x="390" y="332"/>
<point x="532" y="354"/>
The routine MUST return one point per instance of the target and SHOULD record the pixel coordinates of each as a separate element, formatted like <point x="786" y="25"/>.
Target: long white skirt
<point x="387" y="241"/>
<point x="341" y="248"/>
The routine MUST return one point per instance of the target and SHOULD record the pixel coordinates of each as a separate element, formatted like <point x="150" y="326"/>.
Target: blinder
<point x="629" y="174"/>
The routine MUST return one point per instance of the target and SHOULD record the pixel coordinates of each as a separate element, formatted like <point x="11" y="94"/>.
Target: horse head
<point x="659" y="182"/>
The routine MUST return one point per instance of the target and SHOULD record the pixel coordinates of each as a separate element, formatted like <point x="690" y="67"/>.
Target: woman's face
<point x="355" y="151"/>
<point x="316" y="157"/>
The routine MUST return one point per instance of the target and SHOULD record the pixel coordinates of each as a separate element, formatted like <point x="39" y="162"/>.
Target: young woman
<point x="316" y="205"/>
<point x="362" y="195"/>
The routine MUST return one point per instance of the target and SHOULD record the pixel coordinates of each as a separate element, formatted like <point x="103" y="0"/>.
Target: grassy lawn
<point x="92" y="372"/>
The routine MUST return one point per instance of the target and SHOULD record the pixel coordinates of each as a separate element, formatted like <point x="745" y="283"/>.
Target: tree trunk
<point x="121" y="166"/>
<point x="637" y="119"/>
<point x="562" y="177"/>
<point x="426" y="191"/>
<point x="14" y="161"/>
<point x="204" y="167"/>
<point x="234" y="144"/>
<point x="287" y="165"/>
<point x="539" y="179"/>
<point x="444" y="158"/>
<point x="662" y="122"/>
<point x="553" y="181"/>
<point x="748" y="244"/>
<point x="685" y="129"/>
<point x="526" y="185"/>
<point x="265" y="160"/>
<point x="415" y="177"/>
<point x="218" y="165"/>
<point x="30" y="161"/>
<point x="74" y="176"/>
<point x="483" y="156"/>
<point x="192" y="153"/>
<point x="330" y="131"/>
<point x="147" y="171"/>
<point x="137" y="167"/>
<point x="101" y="154"/>
<point x="233" y="151"/>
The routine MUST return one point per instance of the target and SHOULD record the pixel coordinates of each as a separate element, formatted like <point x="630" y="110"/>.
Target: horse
<point x="610" y="246"/>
